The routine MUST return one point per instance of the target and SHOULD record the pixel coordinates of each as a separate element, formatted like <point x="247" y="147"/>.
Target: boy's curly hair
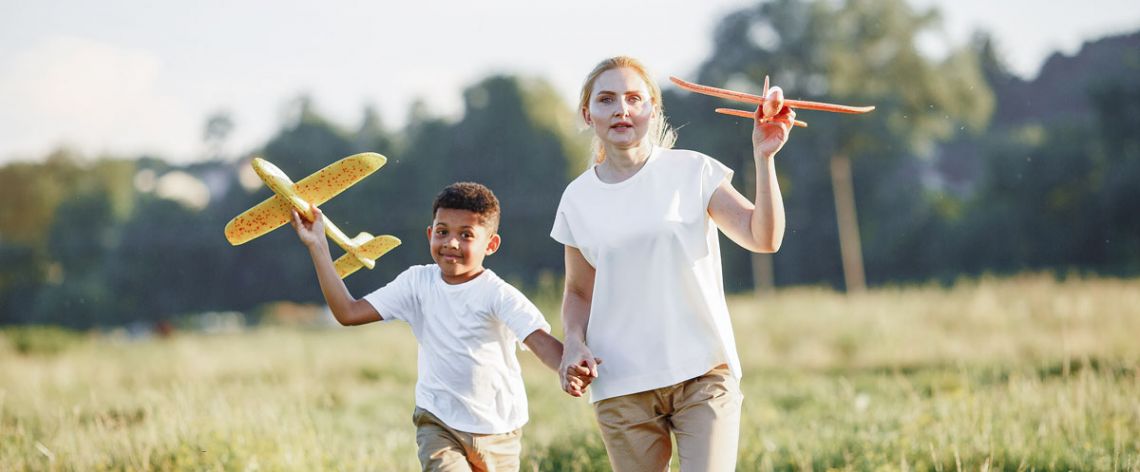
<point x="472" y="197"/>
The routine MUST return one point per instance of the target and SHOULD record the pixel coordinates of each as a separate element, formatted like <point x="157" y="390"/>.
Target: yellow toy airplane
<point x="320" y="187"/>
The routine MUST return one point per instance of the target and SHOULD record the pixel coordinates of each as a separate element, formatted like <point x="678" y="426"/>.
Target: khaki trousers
<point x="702" y="413"/>
<point x="442" y="448"/>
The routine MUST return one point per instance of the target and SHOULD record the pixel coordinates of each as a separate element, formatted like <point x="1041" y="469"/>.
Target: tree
<point x="858" y="52"/>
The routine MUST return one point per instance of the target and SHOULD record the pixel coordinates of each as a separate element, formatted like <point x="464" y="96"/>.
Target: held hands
<point x="311" y="233"/>
<point x="773" y="124"/>
<point x="578" y="370"/>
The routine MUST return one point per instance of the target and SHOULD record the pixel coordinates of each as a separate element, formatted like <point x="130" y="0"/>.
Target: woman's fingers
<point x="773" y="102"/>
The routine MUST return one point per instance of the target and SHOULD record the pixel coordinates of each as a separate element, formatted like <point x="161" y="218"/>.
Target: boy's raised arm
<point x="347" y="310"/>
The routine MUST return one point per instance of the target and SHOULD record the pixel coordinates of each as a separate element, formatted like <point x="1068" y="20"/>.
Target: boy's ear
<point x="493" y="243"/>
<point x="429" y="234"/>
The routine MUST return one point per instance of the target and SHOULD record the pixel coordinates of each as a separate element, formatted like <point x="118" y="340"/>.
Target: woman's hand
<point x="773" y="124"/>
<point x="579" y="368"/>
<point x="311" y="233"/>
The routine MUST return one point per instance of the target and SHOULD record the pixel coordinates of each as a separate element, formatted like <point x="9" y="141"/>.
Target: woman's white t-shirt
<point x="658" y="315"/>
<point x="469" y="376"/>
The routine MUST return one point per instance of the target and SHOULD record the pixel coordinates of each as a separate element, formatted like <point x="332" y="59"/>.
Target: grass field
<point x="1027" y="373"/>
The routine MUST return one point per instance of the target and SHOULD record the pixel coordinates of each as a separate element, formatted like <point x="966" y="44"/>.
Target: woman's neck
<point x="621" y="164"/>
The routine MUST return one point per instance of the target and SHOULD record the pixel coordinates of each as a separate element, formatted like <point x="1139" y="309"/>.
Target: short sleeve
<point x="397" y="300"/>
<point x="518" y="313"/>
<point x="712" y="174"/>
<point x="561" y="231"/>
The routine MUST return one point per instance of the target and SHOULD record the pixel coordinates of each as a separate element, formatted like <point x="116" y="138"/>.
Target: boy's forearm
<point x="332" y="287"/>
<point x="546" y="347"/>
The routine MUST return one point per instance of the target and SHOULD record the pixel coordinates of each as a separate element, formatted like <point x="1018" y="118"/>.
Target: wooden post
<point x="850" y="246"/>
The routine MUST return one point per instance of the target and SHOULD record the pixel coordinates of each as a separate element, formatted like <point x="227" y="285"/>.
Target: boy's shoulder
<point x="418" y="275"/>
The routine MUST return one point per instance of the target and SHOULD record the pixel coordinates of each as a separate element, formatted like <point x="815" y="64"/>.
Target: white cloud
<point x="88" y="95"/>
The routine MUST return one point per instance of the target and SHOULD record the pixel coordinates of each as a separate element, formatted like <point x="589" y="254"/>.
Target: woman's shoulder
<point x="581" y="182"/>
<point x="686" y="157"/>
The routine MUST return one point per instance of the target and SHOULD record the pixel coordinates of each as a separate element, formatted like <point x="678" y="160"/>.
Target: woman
<point x="643" y="275"/>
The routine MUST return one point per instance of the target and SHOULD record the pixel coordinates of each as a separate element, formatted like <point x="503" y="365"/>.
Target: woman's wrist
<point x="574" y="341"/>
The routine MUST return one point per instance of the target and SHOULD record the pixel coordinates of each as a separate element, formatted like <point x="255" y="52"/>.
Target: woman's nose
<point x="622" y="109"/>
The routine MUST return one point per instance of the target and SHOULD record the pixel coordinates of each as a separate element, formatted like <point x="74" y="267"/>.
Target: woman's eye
<point x="635" y="98"/>
<point x="605" y="99"/>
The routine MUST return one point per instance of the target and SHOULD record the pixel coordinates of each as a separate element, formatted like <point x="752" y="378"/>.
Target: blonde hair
<point x="660" y="133"/>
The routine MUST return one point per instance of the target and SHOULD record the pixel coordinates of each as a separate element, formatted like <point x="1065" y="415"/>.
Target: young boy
<point x="470" y="400"/>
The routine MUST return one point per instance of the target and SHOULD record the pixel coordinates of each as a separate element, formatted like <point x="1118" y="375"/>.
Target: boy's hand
<point x="578" y="378"/>
<point x="310" y="232"/>
<point x="578" y="369"/>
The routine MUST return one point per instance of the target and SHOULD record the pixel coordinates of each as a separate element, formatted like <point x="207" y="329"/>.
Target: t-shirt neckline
<point x="637" y="175"/>
<point x="456" y="287"/>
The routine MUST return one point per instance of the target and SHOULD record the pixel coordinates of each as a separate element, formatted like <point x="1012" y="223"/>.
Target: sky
<point x="133" y="77"/>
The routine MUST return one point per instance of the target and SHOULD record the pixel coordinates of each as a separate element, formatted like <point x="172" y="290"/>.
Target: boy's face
<point x="459" y="242"/>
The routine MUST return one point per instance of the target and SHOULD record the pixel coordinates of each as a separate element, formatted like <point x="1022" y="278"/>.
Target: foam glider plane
<point x="764" y="104"/>
<point x="320" y="187"/>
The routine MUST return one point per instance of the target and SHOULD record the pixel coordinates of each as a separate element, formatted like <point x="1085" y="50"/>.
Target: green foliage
<point x="88" y="242"/>
<point x="36" y="340"/>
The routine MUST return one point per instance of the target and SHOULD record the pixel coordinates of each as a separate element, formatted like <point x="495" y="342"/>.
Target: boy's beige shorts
<point x="442" y="448"/>
<point x="703" y="413"/>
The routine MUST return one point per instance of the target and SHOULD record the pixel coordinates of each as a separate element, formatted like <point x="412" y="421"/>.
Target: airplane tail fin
<point x="367" y="249"/>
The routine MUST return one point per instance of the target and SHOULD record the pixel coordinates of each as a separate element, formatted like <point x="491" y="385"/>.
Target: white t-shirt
<point x="658" y="315"/>
<point x="469" y="376"/>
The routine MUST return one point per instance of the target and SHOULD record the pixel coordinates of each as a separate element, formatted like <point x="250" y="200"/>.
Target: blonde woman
<point x="643" y="275"/>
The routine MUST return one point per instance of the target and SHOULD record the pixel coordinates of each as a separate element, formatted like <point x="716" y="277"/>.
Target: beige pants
<point x="442" y="448"/>
<point x="702" y="413"/>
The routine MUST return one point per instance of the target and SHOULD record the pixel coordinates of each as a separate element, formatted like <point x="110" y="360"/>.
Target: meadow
<point x="1025" y="373"/>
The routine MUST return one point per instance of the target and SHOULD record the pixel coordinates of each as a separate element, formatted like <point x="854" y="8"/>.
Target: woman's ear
<point x="586" y="116"/>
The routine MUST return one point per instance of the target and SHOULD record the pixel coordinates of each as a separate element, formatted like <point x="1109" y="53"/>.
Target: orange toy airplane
<point x="769" y="107"/>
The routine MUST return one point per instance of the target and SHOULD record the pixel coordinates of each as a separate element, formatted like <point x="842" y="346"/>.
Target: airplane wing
<point x="263" y="218"/>
<point x="317" y="188"/>
<point x="329" y="182"/>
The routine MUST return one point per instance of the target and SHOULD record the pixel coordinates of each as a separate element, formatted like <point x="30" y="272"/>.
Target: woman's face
<point x="620" y="108"/>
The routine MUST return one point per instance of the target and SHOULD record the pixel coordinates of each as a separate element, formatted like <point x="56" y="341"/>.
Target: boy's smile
<point x="459" y="241"/>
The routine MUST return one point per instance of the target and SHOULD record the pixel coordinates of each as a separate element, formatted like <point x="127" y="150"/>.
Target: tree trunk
<point x="763" y="275"/>
<point x="850" y="247"/>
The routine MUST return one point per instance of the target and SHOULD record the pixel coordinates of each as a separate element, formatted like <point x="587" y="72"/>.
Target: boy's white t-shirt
<point x="469" y="376"/>
<point x="658" y="315"/>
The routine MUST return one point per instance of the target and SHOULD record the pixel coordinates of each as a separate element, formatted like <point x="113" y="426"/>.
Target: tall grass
<point x="1028" y="373"/>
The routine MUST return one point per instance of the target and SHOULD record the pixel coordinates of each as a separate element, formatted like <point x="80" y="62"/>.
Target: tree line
<point x="938" y="182"/>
